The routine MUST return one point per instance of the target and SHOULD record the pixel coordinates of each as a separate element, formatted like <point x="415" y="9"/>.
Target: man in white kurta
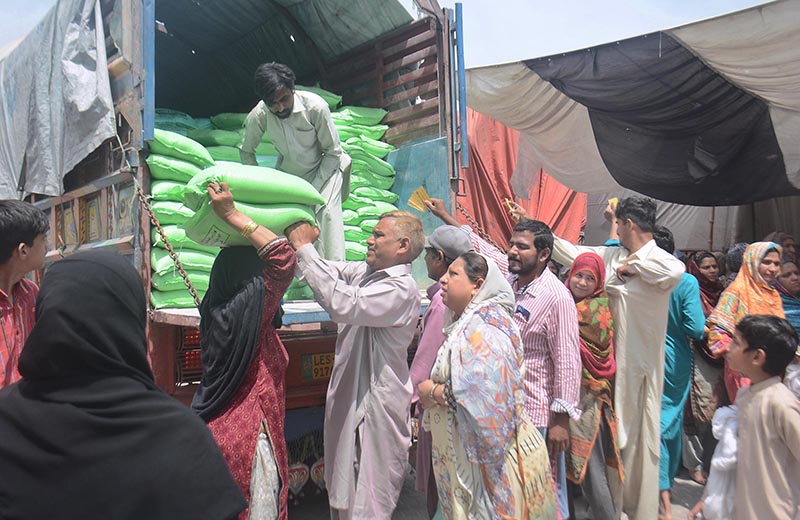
<point x="640" y="277"/>
<point x="300" y="126"/>
<point x="376" y="304"/>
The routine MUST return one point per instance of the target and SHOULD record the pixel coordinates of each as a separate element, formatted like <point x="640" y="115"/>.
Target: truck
<point x="199" y="57"/>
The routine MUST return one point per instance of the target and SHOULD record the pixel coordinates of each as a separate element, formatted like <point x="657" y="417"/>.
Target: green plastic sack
<point x="207" y="228"/>
<point x="377" y="209"/>
<point x="375" y="180"/>
<point x="345" y="131"/>
<point x="172" y="281"/>
<point x="215" y="137"/>
<point x="166" y="117"/>
<point x="330" y="98"/>
<point x="357" y="181"/>
<point x="350" y="217"/>
<point x="343" y="118"/>
<point x="371" y="146"/>
<point x="298" y="291"/>
<point x="368" y="224"/>
<point x="252" y="185"/>
<point x="180" y="299"/>
<point x="161" y="263"/>
<point x="353" y="251"/>
<point x="377" y="194"/>
<point x="264" y="138"/>
<point x="225" y="153"/>
<point x="355" y="234"/>
<point x="228" y="121"/>
<point x="180" y="130"/>
<point x="374" y="164"/>
<point x="364" y="115"/>
<point x="167" y="190"/>
<point x="373" y="131"/>
<point x="168" y="212"/>
<point x="178" y="240"/>
<point x="203" y="122"/>
<point x="355" y="202"/>
<point x="180" y="147"/>
<point x="171" y="169"/>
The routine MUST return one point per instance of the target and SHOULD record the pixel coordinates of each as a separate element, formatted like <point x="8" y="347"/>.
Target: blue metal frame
<point x="148" y="68"/>
<point x="462" y="87"/>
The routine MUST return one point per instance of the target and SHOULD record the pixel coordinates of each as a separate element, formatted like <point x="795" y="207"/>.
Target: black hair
<point x="775" y="336"/>
<point x="664" y="239"/>
<point x="641" y="211"/>
<point x="270" y="77"/>
<point x="542" y="234"/>
<point x="475" y="266"/>
<point x="20" y="222"/>
<point x="702" y="255"/>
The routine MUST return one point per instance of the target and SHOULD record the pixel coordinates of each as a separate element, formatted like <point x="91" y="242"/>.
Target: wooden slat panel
<point x="412" y="93"/>
<point x="412" y="126"/>
<point x="388" y="55"/>
<point x="411" y="59"/>
<point x="412" y="112"/>
<point x="421" y="73"/>
<point x="394" y="37"/>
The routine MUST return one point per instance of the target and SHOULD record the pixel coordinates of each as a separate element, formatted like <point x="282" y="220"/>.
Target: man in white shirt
<point x="300" y="126"/>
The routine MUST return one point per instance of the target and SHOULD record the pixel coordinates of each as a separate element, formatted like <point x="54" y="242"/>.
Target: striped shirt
<point x="17" y="320"/>
<point x="548" y="323"/>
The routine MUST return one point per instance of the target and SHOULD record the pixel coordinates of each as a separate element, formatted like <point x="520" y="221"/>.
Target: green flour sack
<point x="228" y="121"/>
<point x="180" y="147"/>
<point x="161" y="263"/>
<point x="171" y="169"/>
<point x="353" y="251"/>
<point x="170" y="281"/>
<point x="180" y="299"/>
<point x="363" y="115"/>
<point x="167" y="190"/>
<point x="225" y="153"/>
<point x="252" y="185"/>
<point x="207" y="228"/>
<point x="376" y="194"/>
<point x="377" y="209"/>
<point x="168" y="212"/>
<point x="178" y="240"/>
<point x="215" y="137"/>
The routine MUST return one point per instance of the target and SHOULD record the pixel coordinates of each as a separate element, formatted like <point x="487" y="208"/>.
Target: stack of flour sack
<point x="181" y="170"/>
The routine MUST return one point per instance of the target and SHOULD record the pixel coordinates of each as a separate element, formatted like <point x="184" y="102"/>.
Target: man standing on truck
<point x="376" y="304"/>
<point x="23" y="245"/>
<point x="300" y="126"/>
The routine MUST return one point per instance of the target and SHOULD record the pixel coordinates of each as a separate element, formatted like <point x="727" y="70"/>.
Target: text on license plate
<point x="317" y="366"/>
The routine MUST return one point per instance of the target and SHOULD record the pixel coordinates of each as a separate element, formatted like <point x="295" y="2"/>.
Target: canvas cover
<point x="55" y="100"/>
<point x="707" y="114"/>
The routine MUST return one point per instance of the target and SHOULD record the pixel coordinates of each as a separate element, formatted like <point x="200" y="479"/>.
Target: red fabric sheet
<point x="492" y="158"/>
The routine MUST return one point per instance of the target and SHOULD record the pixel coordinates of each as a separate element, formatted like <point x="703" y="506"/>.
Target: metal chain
<point x="154" y="220"/>
<point x="477" y="228"/>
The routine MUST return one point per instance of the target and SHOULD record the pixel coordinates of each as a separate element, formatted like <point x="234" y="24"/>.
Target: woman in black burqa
<point x="87" y="433"/>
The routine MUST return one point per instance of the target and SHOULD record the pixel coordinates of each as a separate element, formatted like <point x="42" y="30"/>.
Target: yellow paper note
<point x="613" y="203"/>
<point x="418" y="198"/>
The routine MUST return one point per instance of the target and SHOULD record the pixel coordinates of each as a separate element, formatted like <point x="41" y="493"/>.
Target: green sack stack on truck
<point x="174" y="161"/>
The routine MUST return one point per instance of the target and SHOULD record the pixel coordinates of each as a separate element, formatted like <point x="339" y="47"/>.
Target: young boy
<point x="23" y="246"/>
<point x="768" y="467"/>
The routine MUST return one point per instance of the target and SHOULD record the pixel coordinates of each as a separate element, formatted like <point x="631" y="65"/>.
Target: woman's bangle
<point x="248" y="229"/>
<point x="433" y="389"/>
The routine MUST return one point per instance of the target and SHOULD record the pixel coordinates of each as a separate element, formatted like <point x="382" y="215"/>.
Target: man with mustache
<point x="376" y="305"/>
<point x="300" y="126"/>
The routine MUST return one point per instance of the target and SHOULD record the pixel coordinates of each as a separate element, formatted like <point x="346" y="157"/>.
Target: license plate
<point x="317" y="366"/>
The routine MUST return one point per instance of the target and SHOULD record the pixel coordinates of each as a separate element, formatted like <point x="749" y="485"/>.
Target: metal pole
<point x="462" y="87"/>
<point x="149" y="66"/>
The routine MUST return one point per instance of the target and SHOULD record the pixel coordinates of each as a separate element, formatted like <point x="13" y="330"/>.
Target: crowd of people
<point x="522" y="381"/>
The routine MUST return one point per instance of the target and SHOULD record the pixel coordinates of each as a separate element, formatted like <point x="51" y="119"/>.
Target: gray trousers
<point x="596" y="486"/>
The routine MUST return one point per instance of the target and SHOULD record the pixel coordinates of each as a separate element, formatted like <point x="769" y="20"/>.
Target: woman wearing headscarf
<point x="706" y="383"/>
<point x="242" y="391"/>
<point x="788" y="286"/>
<point x="488" y="459"/>
<point x="87" y="433"/>
<point x="750" y="293"/>
<point x="786" y="241"/>
<point x="593" y="451"/>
